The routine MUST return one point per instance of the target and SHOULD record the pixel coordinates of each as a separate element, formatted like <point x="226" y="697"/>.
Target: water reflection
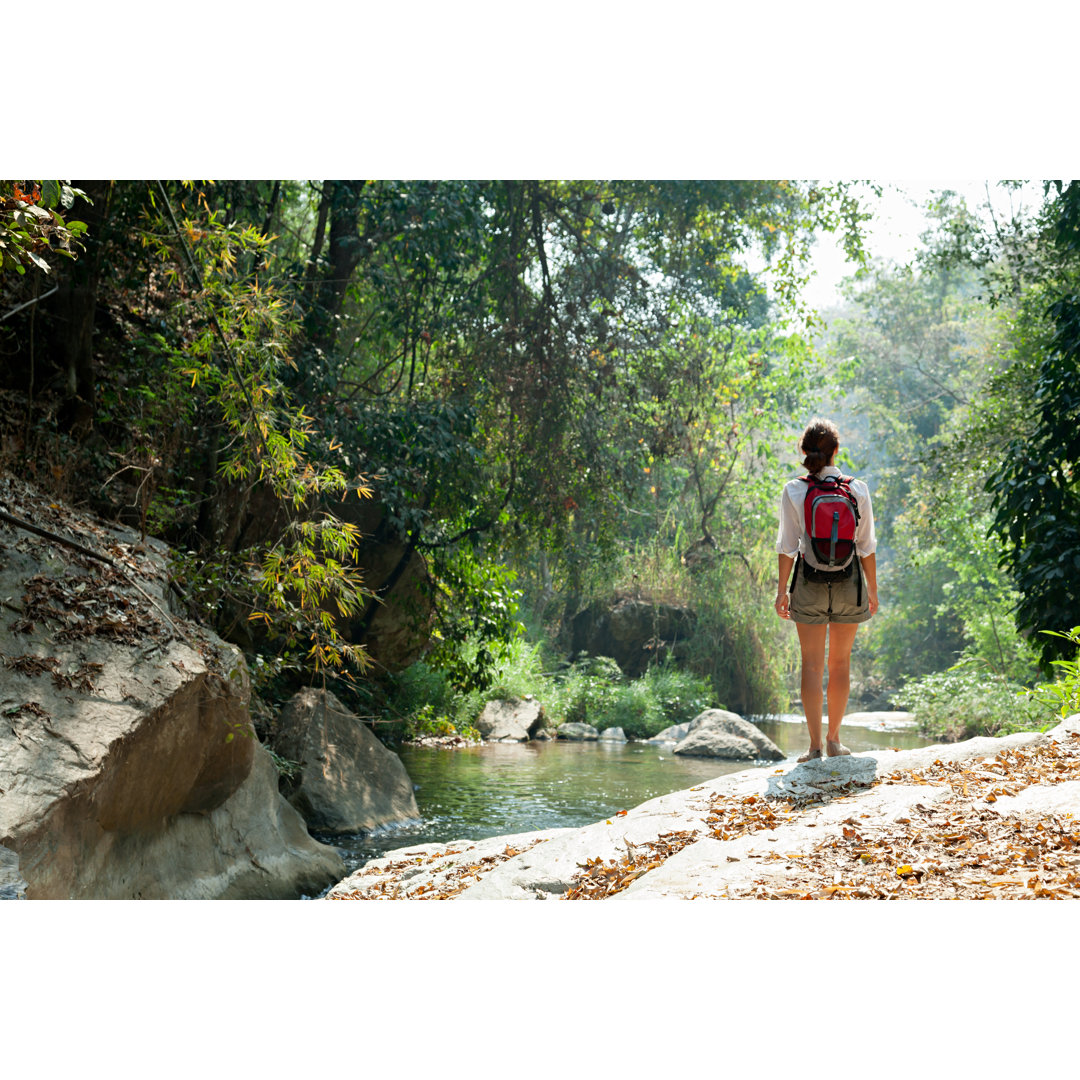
<point x="517" y="787"/>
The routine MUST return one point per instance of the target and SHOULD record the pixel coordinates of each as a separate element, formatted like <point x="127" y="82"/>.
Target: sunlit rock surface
<point x="126" y="747"/>
<point x="721" y="734"/>
<point x="510" y="720"/>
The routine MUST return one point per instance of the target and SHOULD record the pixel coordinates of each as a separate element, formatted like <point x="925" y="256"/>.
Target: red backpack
<point x="831" y="515"/>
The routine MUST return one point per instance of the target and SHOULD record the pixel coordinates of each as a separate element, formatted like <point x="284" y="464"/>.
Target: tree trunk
<point x="344" y="253"/>
<point x="75" y="304"/>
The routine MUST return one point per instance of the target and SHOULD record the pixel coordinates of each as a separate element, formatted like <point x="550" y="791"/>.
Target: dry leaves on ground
<point x="455" y="879"/>
<point x="86" y="605"/>
<point x="959" y="848"/>
<point x="603" y="878"/>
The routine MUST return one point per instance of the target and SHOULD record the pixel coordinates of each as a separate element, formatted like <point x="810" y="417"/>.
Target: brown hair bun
<point x="819" y="442"/>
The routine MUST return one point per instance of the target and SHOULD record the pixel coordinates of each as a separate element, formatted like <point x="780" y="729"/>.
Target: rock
<point x="721" y="734"/>
<point x="885" y="720"/>
<point x="678" y="732"/>
<point x="511" y="720"/>
<point x="634" y="632"/>
<point x="347" y="780"/>
<point x="397" y="630"/>
<point x="675" y="733"/>
<point x="12" y="885"/>
<point x="435" y="868"/>
<point x="613" y="734"/>
<point x="126" y="730"/>
<point x="399" y="627"/>
<point x="544" y="735"/>
<point x="258" y="845"/>
<point x="577" y="732"/>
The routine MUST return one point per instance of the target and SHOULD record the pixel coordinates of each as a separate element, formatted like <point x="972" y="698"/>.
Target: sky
<point x="894" y="232"/>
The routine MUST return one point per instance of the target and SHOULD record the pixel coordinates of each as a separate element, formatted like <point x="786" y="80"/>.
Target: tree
<point x="1037" y="490"/>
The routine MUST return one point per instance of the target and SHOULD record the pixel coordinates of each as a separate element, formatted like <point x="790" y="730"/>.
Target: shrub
<point x="595" y="692"/>
<point x="966" y="701"/>
<point x="1062" y="695"/>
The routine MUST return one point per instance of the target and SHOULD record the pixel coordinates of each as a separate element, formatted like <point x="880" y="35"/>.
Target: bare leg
<point x="841" y="638"/>
<point x="812" y="644"/>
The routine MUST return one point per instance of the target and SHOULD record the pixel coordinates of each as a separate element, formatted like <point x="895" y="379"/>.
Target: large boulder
<point x="673" y="734"/>
<point x="346" y="780"/>
<point x="634" y="632"/>
<point x="721" y="734"/>
<point x="511" y="720"/>
<point x="126" y="730"/>
<point x="677" y="732"/>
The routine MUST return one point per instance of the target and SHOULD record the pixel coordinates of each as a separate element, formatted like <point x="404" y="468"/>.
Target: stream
<point x="502" y="788"/>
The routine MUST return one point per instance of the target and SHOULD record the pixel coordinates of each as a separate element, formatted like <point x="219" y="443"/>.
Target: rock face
<point x="348" y="781"/>
<point x="511" y="720"/>
<point x="631" y="631"/>
<point x="721" y="734"/>
<point x="126" y="747"/>
<point x="400" y="626"/>
<point x="578" y="732"/>
<point x="254" y="846"/>
<point x="613" y="734"/>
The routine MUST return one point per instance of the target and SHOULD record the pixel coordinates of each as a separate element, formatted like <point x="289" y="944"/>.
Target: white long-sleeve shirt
<point x="791" y="538"/>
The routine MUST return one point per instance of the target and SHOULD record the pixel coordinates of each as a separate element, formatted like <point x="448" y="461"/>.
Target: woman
<point x="824" y="610"/>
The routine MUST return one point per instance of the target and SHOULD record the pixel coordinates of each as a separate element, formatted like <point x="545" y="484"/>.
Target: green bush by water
<point x="593" y="691"/>
<point x="965" y="701"/>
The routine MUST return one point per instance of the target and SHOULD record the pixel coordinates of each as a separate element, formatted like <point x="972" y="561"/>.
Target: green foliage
<point x="305" y="581"/>
<point x="1062" y="695"/>
<point x="32" y="227"/>
<point x="1036" y="491"/>
<point x="594" y="691"/>
<point x="966" y="701"/>
<point x="428" y="722"/>
<point x="479" y="603"/>
<point x="287" y="769"/>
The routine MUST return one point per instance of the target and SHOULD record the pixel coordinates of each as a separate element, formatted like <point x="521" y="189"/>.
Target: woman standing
<point x="825" y="609"/>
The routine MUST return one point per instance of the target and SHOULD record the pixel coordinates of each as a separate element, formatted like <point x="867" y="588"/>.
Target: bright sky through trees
<point x="898" y="221"/>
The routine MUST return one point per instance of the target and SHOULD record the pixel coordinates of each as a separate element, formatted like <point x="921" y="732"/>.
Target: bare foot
<point x="836" y="749"/>
<point x="813" y="752"/>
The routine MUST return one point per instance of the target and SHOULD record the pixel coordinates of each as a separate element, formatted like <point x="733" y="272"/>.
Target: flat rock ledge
<point x="785" y="832"/>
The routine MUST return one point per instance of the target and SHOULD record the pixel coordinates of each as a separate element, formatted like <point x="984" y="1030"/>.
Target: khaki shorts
<point x="821" y="602"/>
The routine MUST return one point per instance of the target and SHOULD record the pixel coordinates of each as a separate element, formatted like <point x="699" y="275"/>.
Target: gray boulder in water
<point x="348" y="781"/>
<point x="721" y="734"/>
<point x="578" y="732"/>
<point x="613" y="734"/>
<point x="510" y="720"/>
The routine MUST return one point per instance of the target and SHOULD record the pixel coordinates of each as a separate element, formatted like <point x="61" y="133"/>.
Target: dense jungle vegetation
<point x="401" y="434"/>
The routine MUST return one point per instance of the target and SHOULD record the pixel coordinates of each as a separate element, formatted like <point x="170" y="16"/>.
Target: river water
<point x="500" y="788"/>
